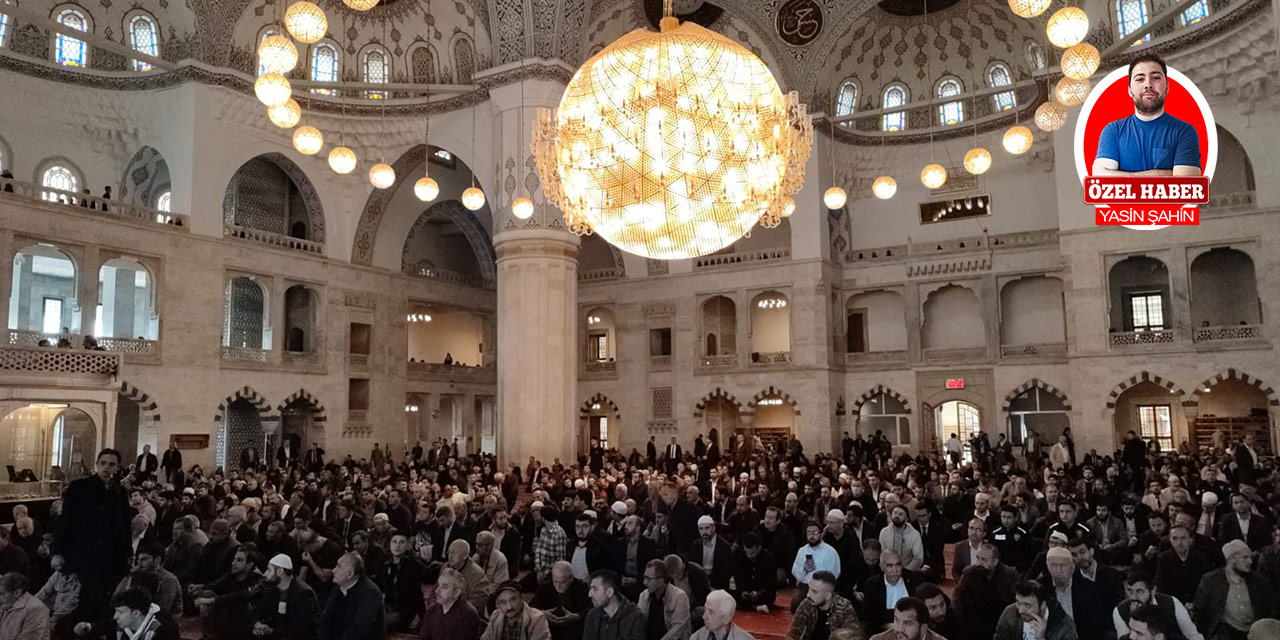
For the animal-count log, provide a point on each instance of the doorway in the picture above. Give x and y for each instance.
(961, 418)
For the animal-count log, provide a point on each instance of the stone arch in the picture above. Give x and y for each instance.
(872, 392)
(705, 401)
(1232, 374)
(269, 420)
(472, 229)
(303, 394)
(1139, 378)
(145, 178)
(150, 410)
(604, 401)
(376, 207)
(1032, 384)
(306, 190)
(771, 391)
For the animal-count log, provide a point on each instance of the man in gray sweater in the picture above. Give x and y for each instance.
(613, 616)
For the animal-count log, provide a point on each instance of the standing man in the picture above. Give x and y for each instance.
(651, 451)
(94, 536)
(314, 460)
(673, 456)
(172, 464)
(147, 463)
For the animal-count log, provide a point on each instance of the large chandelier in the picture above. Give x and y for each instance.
(1079, 62)
(1067, 27)
(672, 145)
(306, 22)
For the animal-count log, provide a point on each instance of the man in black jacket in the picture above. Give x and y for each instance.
(172, 464)
(135, 617)
(400, 579)
(94, 534)
(884, 590)
(1090, 610)
(565, 601)
(147, 463)
(288, 607)
(354, 610)
(755, 575)
(713, 553)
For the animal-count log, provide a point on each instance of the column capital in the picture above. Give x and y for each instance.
(527, 243)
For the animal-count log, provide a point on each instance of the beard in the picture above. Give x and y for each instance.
(1148, 105)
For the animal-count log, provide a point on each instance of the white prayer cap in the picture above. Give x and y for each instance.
(837, 514)
(706, 520)
(282, 561)
(619, 508)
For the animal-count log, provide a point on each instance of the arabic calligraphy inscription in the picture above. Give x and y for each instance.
(799, 22)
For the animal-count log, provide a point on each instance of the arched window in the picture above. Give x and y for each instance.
(424, 65)
(998, 76)
(951, 112)
(1194, 13)
(895, 96)
(72, 52)
(464, 60)
(4, 24)
(144, 39)
(1131, 15)
(846, 98)
(1035, 56)
(164, 203)
(324, 66)
(374, 70)
(62, 178)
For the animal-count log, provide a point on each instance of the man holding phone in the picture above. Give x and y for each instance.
(813, 557)
(1034, 615)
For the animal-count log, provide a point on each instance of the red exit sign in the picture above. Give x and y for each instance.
(955, 383)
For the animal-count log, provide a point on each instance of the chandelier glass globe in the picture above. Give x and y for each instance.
(285, 116)
(977, 161)
(382, 176)
(884, 187)
(522, 208)
(1029, 8)
(933, 176)
(426, 189)
(306, 22)
(272, 89)
(834, 198)
(788, 206)
(473, 199)
(361, 5)
(308, 140)
(672, 144)
(1017, 140)
(1079, 62)
(342, 160)
(1067, 27)
(277, 54)
(1050, 116)
(1071, 92)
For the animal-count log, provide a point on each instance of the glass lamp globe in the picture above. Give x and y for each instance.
(361, 5)
(277, 54)
(1050, 116)
(834, 198)
(1071, 92)
(382, 175)
(1029, 8)
(1068, 27)
(884, 187)
(426, 189)
(788, 206)
(1017, 140)
(522, 208)
(306, 22)
(308, 140)
(1079, 62)
(977, 161)
(272, 89)
(473, 199)
(285, 116)
(342, 160)
(933, 176)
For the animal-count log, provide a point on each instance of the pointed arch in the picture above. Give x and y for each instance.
(873, 392)
(771, 392)
(268, 420)
(147, 406)
(303, 394)
(1033, 384)
(1139, 378)
(306, 191)
(706, 400)
(472, 229)
(602, 400)
(1232, 374)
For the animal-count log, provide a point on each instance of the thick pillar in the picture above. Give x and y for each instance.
(537, 374)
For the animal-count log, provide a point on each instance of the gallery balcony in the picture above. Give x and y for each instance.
(439, 372)
(134, 350)
(33, 194)
(51, 362)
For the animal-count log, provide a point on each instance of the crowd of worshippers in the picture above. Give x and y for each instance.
(665, 544)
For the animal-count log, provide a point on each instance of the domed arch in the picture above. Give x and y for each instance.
(1137, 379)
(771, 392)
(1232, 374)
(602, 401)
(718, 394)
(243, 206)
(1035, 383)
(230, 439)
(300, 426)
(452, 211)
(133, 431)
(875, 391)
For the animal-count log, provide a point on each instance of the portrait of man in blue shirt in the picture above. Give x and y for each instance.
(1150, 142)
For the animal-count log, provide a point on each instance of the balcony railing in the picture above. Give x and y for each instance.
(245, 354)
(740, 258)
(273, 239)
(660, 363)
(1135, 338)
(300, 358)
(609, 273)
(84, 203)
(452, 372)
(708, 362)
(954, 355)
(358, 416)
(449, 276)
(596, 366)
(59, 361)
(358, 359)
(1025, 351)
(1228, 333)
(873, 357)
(773, 357)
(134, 349)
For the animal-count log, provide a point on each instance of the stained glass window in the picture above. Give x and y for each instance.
(142, 33)
(846, 98)
(895, 96)
(324, 66)
(72, 52)
(1194, 13)
(950, 112)
(1130, 16)
(999, 76)
(375, 72)
(4, 24)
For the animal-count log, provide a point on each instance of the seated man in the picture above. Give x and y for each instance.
(226, 603)
(754, 575)
(882, 592)
(135, 618)
(168, 593)
(288, 607)
(400, 579)
(451, 617)
(717, 619)
(1140, 589)
(911, 621)
(665, 606)
(564, 600)
(22, 615)
(355, 607)
(1036, 615)
(822, 612)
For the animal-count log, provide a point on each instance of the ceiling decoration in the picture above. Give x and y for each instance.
(699, 12)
